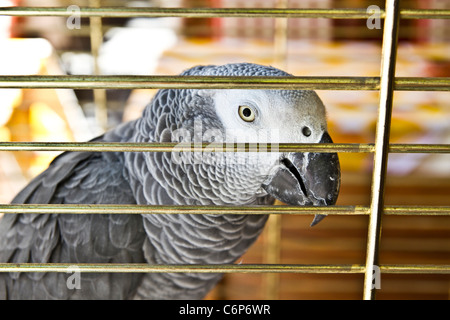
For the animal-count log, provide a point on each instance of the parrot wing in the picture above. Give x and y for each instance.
(73, 178)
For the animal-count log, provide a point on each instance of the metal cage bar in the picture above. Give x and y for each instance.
(272, 253)
(386, 84)
(219, 147)
(219, 268)
(96, 37)
(211, 82)
(221, 13)
(248, 210)
(388, 62)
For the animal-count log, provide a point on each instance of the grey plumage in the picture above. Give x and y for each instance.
(167, 179)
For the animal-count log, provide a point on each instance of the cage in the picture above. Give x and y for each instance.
(381, 68)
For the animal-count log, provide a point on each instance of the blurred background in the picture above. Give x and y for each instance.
(303, 47)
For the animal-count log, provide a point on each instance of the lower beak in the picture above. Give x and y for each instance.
(307, 179)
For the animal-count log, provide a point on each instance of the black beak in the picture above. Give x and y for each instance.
(307, 179)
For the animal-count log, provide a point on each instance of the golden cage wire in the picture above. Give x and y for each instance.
(386, 84)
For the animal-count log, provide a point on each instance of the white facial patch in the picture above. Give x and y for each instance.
(280, 116)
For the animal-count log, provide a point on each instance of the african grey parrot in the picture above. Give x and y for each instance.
(171, 178)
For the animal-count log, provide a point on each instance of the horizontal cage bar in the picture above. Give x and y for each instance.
(186, 147)
(415, 269)
(136, 268)
(219, 82)
(219, 268)
(188, 82)
(218, 147)
(248, 210)
(337, 13)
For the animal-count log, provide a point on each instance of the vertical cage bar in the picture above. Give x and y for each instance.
(272, 256)
(281, 37)
(388, 62)
(273, 233)
(96, 35)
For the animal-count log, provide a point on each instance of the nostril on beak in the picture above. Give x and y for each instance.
(295, 172)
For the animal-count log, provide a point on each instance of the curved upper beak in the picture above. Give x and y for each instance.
(306, 179)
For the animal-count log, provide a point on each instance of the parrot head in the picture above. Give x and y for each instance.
(250, 116)
(278, 116)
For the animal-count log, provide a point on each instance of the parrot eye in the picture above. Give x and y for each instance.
(306, 131)
(246, 113)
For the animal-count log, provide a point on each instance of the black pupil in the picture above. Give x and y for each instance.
(306, 131)
(247, 112)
